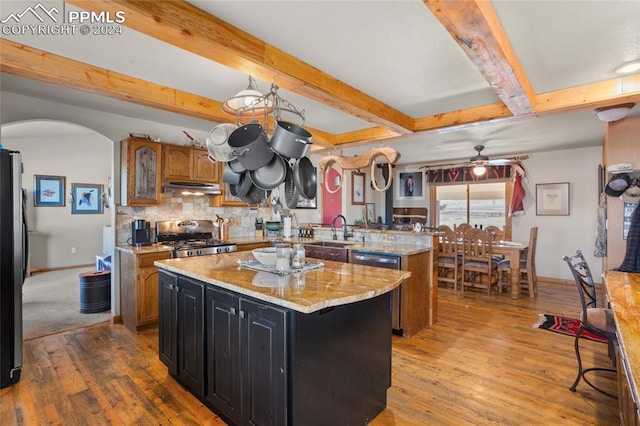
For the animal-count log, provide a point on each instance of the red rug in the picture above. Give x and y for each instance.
(568, 326)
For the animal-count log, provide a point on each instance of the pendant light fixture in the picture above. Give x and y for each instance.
(250, 105)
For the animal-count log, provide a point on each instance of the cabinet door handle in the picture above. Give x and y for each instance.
(170, 286)
(233, 311)
(242, 314)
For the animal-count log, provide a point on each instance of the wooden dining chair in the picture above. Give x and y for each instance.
(462, 228)
(445, 228)
(496, 233)
(479, 268)
(528, 277)
(449, 261)
(595, 319)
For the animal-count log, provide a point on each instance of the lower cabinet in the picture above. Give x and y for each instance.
(254, 363)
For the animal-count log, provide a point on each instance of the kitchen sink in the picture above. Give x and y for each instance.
(329, 244)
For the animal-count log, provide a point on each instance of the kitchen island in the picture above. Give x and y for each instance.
(307, 348)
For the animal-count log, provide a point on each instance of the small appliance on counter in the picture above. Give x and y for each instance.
(140, 233)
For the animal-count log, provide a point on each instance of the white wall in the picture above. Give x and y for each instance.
(563, 235)
(60, 238)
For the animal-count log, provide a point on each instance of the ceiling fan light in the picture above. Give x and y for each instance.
(613, 113)
(479, 170)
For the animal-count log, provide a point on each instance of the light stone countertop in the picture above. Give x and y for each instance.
(623, 289)
(333, 284)
(153, 248)
(372, 247)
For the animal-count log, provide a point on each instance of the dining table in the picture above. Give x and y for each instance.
(514, 251)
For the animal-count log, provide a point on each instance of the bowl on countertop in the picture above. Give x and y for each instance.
(265, 255)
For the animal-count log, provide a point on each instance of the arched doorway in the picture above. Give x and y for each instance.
(63, 239)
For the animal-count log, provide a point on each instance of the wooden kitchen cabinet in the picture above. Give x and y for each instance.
(139, 288)
(188, 164)
(141, 172)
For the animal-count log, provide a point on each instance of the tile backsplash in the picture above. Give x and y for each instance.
(179, 208)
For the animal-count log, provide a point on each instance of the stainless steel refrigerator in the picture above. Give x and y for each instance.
(13, 264)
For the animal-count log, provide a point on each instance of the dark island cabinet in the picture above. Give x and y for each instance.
(223, 353)
(264, 364)
(190, 319)
(256, 363)
(246, 359)
(168, 320)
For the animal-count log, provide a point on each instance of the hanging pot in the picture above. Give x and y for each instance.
(242, 188)
(217, 142)
(305, 179)
(251, 146)
(290, 140)
(271, 175)
(291, 194)
(236, 166)
(230, 176)
(255, 195)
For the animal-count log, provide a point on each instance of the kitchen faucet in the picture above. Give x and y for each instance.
(344, 227)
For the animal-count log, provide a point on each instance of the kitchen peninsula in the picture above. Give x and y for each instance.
(306, 348)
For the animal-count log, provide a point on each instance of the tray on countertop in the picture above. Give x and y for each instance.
(257, 266)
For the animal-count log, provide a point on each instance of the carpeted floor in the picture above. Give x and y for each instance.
(51, 303)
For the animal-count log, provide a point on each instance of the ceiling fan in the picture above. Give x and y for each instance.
(479, 162)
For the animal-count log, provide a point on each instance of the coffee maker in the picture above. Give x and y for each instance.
(140, 233)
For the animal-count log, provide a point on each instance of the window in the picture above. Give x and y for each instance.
(479, 204)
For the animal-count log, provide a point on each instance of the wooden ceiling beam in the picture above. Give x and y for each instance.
(187, 27)
(475, 26)
(590, 96)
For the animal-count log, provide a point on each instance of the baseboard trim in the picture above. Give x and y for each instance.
(60, 268)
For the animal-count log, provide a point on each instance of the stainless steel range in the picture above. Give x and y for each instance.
(191, 238)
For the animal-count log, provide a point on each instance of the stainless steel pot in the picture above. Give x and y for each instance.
(290, 140)
(304, 176)
(217, 142)
(271, 175)
(251, 146)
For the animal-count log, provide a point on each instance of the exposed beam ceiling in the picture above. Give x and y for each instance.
(473, 25)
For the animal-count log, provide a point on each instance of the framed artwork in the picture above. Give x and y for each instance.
(552, 199)
(49, 191)
(357, 188)
(410, 185)
(371, 213)
(87, 198)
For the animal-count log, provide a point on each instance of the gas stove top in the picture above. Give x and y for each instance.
(191, 238)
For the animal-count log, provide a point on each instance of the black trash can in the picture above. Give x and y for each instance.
(95, 292)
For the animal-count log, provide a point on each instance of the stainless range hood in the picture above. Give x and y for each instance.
(191, 188)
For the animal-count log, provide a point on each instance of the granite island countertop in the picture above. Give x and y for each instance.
(371, 247)
(333, 284)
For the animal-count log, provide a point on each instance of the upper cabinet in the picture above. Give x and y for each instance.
(141, 172)
(188, 164)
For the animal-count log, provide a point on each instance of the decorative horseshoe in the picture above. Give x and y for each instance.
(373, 180)
(327, 166)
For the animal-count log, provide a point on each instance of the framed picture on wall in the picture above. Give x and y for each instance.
(552, 199)
(371, 213)
(87, 198)
(409, 185)
(49, 191)
(357, 188)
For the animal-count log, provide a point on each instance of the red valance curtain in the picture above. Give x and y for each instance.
(465, 174)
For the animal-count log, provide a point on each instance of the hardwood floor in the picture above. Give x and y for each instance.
(482, 363)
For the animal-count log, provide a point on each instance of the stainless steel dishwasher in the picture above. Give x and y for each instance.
(389, 261)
